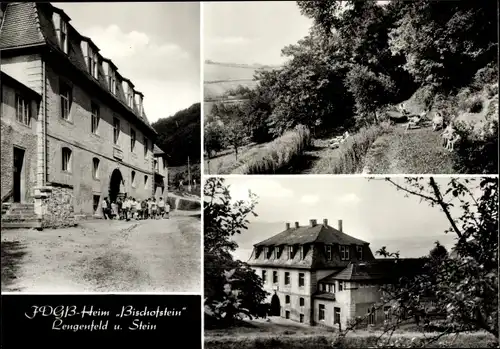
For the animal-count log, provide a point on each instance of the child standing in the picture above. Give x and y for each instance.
(161, 208)
(167, 209)
(154, 209)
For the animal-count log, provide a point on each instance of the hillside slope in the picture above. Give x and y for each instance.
(179, 135)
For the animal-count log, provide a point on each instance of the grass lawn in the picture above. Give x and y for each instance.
(280, 333)
(225, 161)
(415, 151)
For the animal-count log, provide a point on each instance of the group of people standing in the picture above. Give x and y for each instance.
(130, 208)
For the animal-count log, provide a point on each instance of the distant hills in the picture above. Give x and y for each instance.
(221, 77)
(179, 136)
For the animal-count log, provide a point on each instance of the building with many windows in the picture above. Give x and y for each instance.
(73, 128)
(318, 275)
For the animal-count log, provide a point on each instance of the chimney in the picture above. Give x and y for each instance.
(312, 222)
(297, 224)
(287, 226)
(340, 225)
(325, 222)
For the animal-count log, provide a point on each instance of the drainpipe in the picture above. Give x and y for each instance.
(44, 124)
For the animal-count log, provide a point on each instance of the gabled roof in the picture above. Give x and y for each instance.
(319, 233)
(378, 269)
(20, 26)
(157, 150)
(30, 24)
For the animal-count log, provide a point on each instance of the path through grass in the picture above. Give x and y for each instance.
(413, 152)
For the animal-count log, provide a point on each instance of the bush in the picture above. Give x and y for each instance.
(484, 76)
(471, 104)
(349, 157)
(278, 153)
(326, 341)
(477, 152)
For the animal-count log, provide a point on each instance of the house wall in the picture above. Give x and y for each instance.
(76, 134)
(293, 290)
(17, 134)
(342, 301)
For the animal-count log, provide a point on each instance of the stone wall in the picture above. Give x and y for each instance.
(58, 208)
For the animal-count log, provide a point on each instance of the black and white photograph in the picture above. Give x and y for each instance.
(351, 262)
(100, 152)
(346, 87)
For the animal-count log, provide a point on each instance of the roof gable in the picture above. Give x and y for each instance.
(20, 26)
(319, 233)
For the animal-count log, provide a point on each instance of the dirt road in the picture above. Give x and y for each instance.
(105, 256)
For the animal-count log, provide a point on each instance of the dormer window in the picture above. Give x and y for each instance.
(290, 252)
(278, 251)
(344, 252)
(130, 100)
(359, 252)
(301, 252)
(64, 36)
(112, 82)
(93, 61)
(328, 251)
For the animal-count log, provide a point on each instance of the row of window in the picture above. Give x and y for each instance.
(344, 251)
(330, 287)
(275, 280)
(301, 300)
(66, 93)
(66, 167)
(92, 62)
(287, 316)
(322, 314)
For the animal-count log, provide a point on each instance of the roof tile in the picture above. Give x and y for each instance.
(20, 26)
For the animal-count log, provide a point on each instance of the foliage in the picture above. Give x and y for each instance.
(179, 135)
(477, 152)
(464, 286)
(278, 153)
(440, 38)
(232, 116)
(214, 137)
(222, 274)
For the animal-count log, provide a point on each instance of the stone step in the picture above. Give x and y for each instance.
(20, 225)
(23, 219)
(20, 211)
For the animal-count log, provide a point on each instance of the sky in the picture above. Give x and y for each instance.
(371, 210)
(155, 45)
(251, 32)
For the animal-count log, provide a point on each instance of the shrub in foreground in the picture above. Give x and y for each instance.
(477, 152)
(278, 153)
(350, 155)
(366, 341)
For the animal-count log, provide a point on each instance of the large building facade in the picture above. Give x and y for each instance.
(318, 275)
(73, 128)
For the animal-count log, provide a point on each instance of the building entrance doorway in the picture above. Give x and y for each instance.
(115, 185)
(275, 306)
(18, 180)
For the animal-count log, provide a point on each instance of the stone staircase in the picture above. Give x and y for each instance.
(17, 215)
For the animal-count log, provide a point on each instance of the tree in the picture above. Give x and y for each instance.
(222, 220)
(214, 138)
(439, 38)
(179, 135)
(232, 117)
(465, 286)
